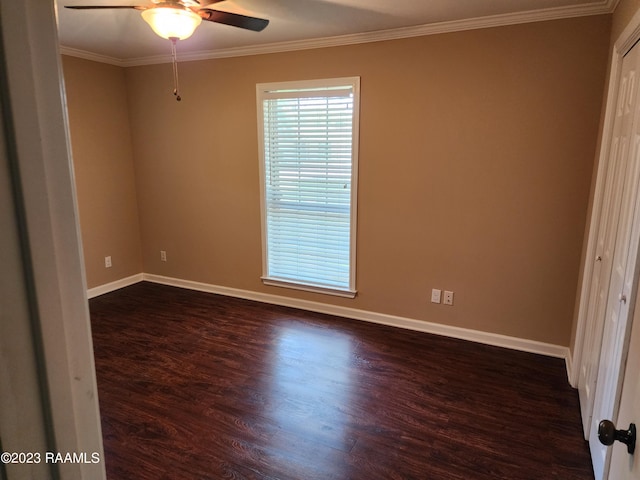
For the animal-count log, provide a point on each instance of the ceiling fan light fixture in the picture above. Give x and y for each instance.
(172, 22)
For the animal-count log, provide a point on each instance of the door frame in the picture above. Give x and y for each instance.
(45, 192)
(627, 39)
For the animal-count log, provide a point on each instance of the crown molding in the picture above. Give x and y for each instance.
(556, 13)
(74, 52)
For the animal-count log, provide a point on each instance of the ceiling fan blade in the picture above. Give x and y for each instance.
(98, 7)
(234, 19)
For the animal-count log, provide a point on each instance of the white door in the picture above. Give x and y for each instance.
(622, 286)
(607, 233)
(623, 465)
(606, 238)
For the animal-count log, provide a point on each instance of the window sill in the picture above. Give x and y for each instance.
(274, 282)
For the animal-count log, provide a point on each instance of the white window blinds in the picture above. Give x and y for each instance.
(308, 147)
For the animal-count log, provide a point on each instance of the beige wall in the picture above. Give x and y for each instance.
(103, 163)
(476, 156)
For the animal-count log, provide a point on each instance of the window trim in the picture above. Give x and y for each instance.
(264, 91)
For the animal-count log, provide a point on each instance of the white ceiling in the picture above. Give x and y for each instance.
(122, 37)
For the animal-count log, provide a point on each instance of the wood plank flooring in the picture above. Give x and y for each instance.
(195, 386)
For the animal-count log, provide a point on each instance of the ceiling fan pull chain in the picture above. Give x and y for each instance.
(175, 68)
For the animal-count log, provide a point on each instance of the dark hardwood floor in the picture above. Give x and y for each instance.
(197, 386)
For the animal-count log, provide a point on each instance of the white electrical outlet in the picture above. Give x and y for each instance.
(435, 295)
(448, 297)
(163, 255)
(107, 262)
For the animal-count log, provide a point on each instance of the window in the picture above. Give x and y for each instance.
(308, 135)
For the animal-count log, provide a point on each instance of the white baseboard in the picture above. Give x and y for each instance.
(110, 287)
(478, 336)
(486, 338)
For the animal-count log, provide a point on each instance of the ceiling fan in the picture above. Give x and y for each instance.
(177, 19)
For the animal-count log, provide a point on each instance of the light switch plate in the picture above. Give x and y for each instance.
(435, 295)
